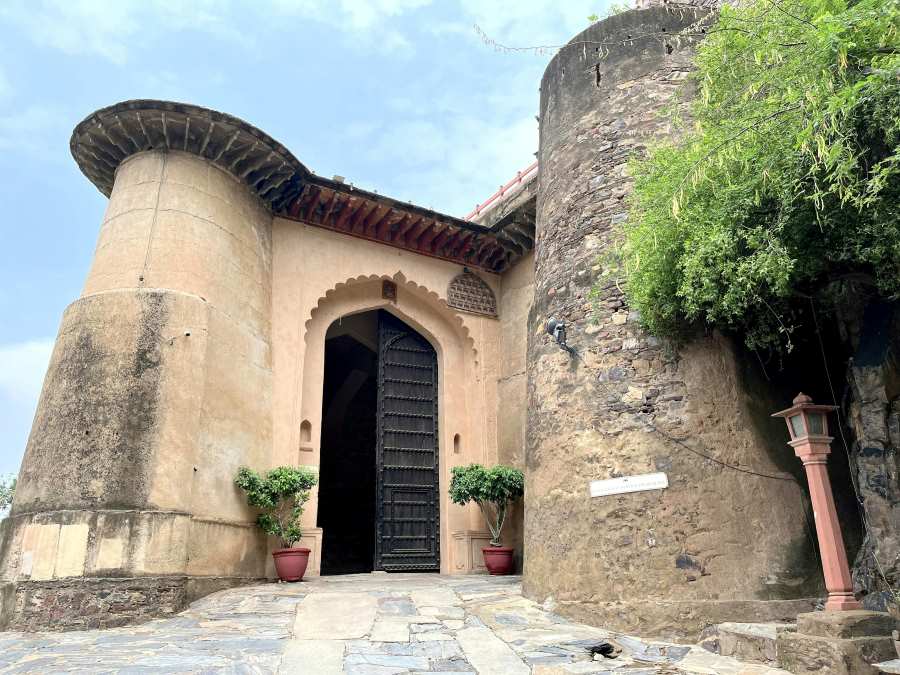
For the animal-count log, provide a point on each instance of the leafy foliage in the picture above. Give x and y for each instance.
(280, 495)
(497, 486)
(7, 490)
(787, 179)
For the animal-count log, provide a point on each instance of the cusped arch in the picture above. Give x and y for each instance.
(417, 291)
(460, 394)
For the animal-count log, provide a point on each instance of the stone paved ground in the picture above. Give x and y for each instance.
(375, 624)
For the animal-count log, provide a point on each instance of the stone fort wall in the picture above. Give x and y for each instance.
(718, 544)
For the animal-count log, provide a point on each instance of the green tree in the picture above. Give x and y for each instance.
(280, 495)
(493, 489)
(7, 490)
(785, 179)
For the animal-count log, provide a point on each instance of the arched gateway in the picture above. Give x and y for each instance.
(380, 444)
(199, 345)
(338, 377)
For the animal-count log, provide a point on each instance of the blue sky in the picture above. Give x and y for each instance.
(401, 96)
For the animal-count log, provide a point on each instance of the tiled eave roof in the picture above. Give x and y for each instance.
(107, 137)
(346, 209)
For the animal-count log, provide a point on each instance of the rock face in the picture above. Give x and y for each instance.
(722, 542)
(875, 419)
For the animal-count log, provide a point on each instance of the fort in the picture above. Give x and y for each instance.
(232, 316)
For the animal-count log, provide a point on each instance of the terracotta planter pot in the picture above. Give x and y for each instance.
(498, 559)
(290, 563)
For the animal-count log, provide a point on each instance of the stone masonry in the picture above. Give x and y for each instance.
(363, 625)
(720, 543)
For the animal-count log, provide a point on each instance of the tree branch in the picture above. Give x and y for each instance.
(732, 138)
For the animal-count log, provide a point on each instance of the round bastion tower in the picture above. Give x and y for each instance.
(159, 386)
(718, 544)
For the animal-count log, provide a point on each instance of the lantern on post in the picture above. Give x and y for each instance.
(808, 426)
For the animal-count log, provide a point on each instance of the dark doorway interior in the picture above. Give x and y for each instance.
(347, 470)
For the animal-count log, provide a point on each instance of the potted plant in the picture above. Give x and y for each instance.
(280, 495)
(493, 489)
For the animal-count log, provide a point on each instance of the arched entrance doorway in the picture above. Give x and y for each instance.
(379, 468)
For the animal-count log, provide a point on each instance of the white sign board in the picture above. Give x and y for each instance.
(617, 486)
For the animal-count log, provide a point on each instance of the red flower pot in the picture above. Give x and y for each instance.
(498, 559)
(290, 563)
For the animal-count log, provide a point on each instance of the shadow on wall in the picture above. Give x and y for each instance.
(347, 469)
(771, 383)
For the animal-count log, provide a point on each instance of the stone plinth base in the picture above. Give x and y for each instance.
(85, 603)
(748, 642)
(680, 621)
(467, 557)
(837, 643)
(312, 539)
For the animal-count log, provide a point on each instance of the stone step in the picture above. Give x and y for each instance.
(892, 666)
(698, 662)
(747, 642)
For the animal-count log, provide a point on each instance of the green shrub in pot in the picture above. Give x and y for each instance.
(494, 489)
(280, 495)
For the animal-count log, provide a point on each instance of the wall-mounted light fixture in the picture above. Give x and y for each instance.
(557, 329)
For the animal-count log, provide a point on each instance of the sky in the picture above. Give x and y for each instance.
(399, 96)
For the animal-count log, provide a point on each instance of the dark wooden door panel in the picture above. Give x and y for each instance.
(407, 536)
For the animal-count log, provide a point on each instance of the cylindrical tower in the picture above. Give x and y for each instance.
(159, 386)
(719, 543)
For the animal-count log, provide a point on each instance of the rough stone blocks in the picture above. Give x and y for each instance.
(837, 643)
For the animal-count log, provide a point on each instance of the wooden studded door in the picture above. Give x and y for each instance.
(407, 508)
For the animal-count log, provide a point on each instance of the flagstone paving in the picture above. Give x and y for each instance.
(372, 624)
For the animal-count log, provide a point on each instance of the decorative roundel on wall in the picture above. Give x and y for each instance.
(470, 293)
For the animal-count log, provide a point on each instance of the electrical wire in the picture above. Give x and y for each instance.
(639, 416)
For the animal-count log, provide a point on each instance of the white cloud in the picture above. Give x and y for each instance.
(453, 137)
(451, 143)
(451, 163)
(532, 23)
(357, 15)
(111, 29)
(22, 369)
(6, 89)
(37, 130)
(76, 27)
(371, 23)
(365, 14)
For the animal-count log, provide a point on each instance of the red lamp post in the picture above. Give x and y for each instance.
(808, 426)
